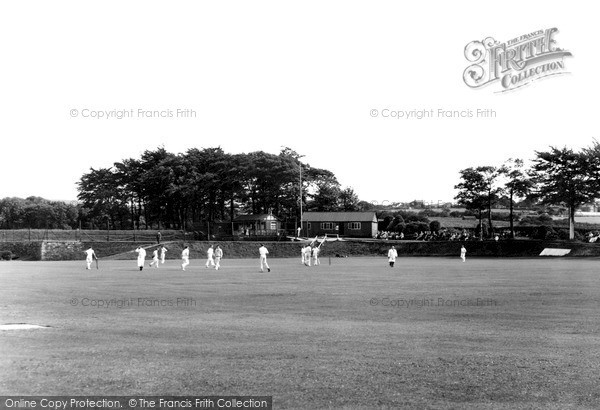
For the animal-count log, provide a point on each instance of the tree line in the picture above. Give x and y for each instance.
(184, 191)
(559, 176)
(163, 190)
(38, 213)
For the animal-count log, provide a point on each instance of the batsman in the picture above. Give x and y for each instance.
(89, 258)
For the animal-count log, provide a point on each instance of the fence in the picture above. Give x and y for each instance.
(34, 235)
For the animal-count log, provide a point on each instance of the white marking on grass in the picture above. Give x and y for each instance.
(21, 326)
(554, 252)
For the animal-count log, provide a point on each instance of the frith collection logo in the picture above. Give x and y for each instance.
(516, 62)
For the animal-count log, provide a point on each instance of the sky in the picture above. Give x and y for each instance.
(323, 78)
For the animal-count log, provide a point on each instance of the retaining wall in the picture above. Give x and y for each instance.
(74, 250)
(28, 251)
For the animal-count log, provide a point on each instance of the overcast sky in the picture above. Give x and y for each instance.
(267, 74)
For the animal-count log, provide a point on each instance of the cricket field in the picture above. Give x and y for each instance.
(351, 333)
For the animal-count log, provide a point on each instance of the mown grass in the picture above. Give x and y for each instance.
(315, 337)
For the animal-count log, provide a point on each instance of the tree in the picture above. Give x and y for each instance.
(99, 191)
(490, 174)
(473, 193)
(517, 184)
(364, 206)
(348, 200)
(565, 177)
(327, 194)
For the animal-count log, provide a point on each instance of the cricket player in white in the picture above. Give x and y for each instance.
(163, 252)
(185, 258)
(392, 255)
(218, 256)
(315, 255)
(463, 253)
(263, 258)
(209, 256)
(307, 251)
(90, 255)
(141, 259)
(154, 258)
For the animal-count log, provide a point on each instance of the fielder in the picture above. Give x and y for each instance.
(218, 256)
(307, 251)
(263, 251)
(141, 259)
(163, 251)
(90, 256)
(209, 256)
(392, 255)
(315, 255)
(185, 258)
(463, 253)
(154, 258)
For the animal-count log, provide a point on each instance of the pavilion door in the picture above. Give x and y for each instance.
(340, 230)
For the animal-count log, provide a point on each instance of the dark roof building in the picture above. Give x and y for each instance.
(352, 224)
(259, 225)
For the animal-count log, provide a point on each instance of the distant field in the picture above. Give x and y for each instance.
(587, 219)
(448, 222)
(431, 332)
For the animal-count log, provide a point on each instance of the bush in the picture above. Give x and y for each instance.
(533, 220)
(385, 224)
(434, 226)
(545, 232)
(423, 226)
(427, 212)
(412, 228)
(6, 255)
(398, 217)
(394, 223)
(563, 234)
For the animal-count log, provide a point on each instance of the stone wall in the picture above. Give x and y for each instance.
(74, 250)
(62, 251)
(26, 251)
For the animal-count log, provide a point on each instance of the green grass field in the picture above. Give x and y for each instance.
(344, 335)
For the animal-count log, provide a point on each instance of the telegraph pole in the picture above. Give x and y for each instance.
(300, 196)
